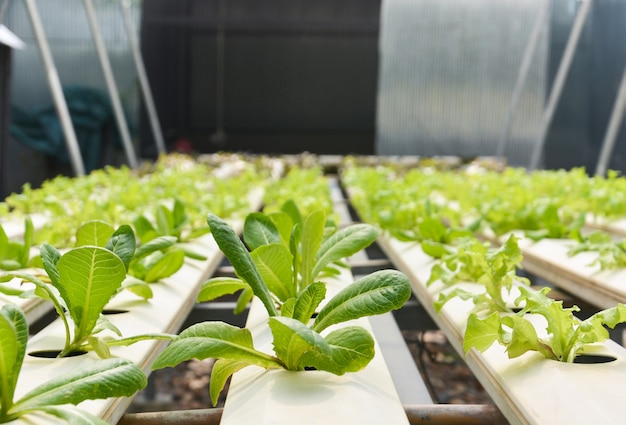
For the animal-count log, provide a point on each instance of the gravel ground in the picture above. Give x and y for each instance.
(444, 371)
(186, 386)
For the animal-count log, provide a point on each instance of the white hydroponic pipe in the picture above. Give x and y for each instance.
(542, 21)
(153, 117)
(57, 92)
(110, 81)
(559, 81)
(617, 115)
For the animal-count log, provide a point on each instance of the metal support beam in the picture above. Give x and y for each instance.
(57, 92)
(615, 122)
(3, 10)
(559, 81)
(542, 22)
(153, 117)
(112, 87)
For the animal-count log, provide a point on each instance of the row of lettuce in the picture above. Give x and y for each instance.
(110, 231)
(452, 214)
(121, 230)
(117, 230)
(541, 204)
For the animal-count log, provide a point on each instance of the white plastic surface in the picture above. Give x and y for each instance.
(173, 299)
(529, 389)
(277, 397)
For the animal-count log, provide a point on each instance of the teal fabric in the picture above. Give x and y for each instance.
(91, 114)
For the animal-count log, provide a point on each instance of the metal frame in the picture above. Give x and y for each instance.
(57, 92)
(112, 87)
(559, 81)
(542, 23)
(617, 116)
(153, 117)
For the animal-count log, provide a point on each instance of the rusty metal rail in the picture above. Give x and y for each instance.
(433, 414)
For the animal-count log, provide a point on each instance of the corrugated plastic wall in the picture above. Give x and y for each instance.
(446, 77)
(69, 36)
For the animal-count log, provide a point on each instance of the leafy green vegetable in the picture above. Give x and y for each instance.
(14, 254)
(611, 254)
(281, 268)
(120, 195)
(495, 269)
(377, 293)
(274, 263)
(270, 272)
(342, 244)
(85, 278)
(428, 205)
(220, 286)
(543, 204)
(171, 223)
(312, 235)
(88, 278)
(566, 337)
(102, 379)
(240, 258)
(287, 194)
(259, 230)
(156, 260)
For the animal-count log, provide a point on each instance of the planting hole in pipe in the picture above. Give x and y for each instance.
(594, 359)
(113, 311)
(53, 354)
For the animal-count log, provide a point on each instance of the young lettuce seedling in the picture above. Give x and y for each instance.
(289, 252)
(567, 336)
(13, 254)
(83, 280)
(492, 268)
(148, 263)
(103, 379)
(282, 271)
(611, 254)
(169, 222)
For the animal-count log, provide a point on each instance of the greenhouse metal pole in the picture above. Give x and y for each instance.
(3, 10)
(153, 117)
(110, 81)
(541, 23)
(57, 92)
(615, 122)
(559, 81)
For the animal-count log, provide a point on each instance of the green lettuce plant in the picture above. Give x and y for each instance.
(14, 254)
(566, 338)
(102, 379)
(611, 253)
(169, 222)
(155, 259)
(118, 195)
(81, 282)
(282, 269)
(494, 269)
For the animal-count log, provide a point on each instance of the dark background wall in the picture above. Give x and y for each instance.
(5, 73)
(296, 75)
(583, 113)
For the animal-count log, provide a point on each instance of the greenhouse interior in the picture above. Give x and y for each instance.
(313, 212)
